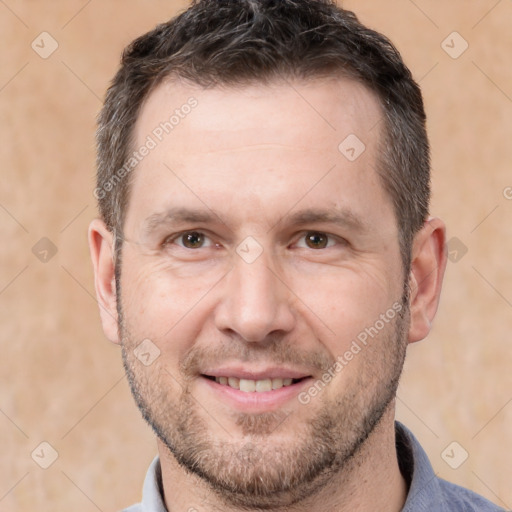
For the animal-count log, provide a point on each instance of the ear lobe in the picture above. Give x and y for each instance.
(428, 264)
(102, 254)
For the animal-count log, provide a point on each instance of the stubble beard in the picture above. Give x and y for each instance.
(259, 472)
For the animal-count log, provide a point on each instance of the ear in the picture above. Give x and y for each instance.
(102, 253)
(428, 264)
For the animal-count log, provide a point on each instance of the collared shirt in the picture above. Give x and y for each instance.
(427, 492)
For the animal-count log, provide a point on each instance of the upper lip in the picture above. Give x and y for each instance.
(253, 374)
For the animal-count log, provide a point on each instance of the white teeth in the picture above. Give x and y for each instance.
(251, 386)
(234, 382)
(247, 385)
(277, 383)
(263, 385)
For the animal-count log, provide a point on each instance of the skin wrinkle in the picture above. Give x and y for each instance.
(343, 217)
(192, 427)
(254, 146)
(205, 437)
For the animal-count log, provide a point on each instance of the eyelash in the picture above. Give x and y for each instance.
(172, 239)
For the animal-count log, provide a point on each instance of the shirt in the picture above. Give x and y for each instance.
(427, 492)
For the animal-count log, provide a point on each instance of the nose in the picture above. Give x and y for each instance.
(255, 302)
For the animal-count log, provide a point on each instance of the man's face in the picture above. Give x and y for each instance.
(258, 253)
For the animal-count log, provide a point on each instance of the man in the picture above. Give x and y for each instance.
(264, 256)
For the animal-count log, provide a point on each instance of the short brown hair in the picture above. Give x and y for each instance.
(236, 42)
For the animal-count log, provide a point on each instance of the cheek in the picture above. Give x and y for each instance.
(160, 302)
(346, 302)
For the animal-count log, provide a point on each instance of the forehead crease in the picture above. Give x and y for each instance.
(247, 147)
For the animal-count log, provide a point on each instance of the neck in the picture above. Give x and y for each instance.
(372, 478)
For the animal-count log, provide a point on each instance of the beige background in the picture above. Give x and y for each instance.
(62, 382)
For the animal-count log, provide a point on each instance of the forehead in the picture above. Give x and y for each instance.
(319, 112)
(272, 143)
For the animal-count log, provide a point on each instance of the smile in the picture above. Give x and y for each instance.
(264, 392)
(255, 386)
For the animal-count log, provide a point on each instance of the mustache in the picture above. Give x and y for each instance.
(198, 358)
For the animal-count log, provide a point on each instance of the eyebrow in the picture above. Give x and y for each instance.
(343, 217)
(178, 215)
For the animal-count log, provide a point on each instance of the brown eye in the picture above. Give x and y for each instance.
(316, 240)
(192, 240)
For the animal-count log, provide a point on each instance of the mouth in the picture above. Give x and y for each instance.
(255, 386)
(255, 389)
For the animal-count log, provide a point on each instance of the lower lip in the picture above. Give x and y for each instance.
(257, 401)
